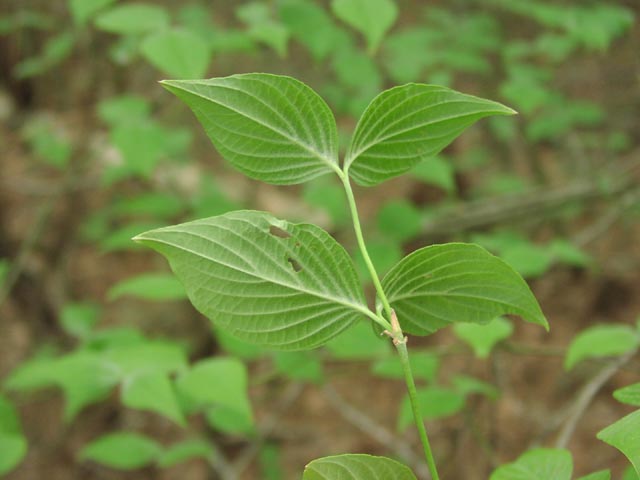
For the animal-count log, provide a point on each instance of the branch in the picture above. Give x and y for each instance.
(586, 395)
(542, 202)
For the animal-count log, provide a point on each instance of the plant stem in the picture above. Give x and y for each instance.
(363, 247)
(393, 330)
(401, 347)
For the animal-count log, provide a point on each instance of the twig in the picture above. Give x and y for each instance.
(379, 433)
(493, 211)
(586, 396)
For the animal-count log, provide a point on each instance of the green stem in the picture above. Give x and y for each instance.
(393, 328)
(401, 346)
(363, 247)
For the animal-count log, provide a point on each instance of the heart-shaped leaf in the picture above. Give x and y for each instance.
(457, 282)
(267, 281)
(356, 467)
(272, 128)
(405, 125)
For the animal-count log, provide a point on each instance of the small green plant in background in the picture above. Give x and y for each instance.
(292, 286)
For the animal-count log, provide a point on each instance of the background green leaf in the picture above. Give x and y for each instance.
(178, 53)
(186, 450)
(482, 338)
(13, 444)
(601, 475)
(356, 467)
(82, 10)
(538, 464)
(443, 284)
(268, 281)
(624, 435)
(272, 128)
(133, 18)
(372, 18)
(123, 450)
(601, 341)
(433, 402)
(149, 286)
(152, 391)
(629, 395)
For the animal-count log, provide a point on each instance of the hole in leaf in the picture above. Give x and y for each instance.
(294, 264)
(278, 232)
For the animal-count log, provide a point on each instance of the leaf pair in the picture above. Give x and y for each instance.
(278, 130)
(292, 286)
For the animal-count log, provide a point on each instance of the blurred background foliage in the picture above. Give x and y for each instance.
(94, 152)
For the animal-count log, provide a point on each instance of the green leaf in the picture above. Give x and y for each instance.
(310, 24)
(629, 395)
(233, 421)
(178, 53)
(601, 475)
(405, 125)
(399, 220)
(328, 196)
(601, 341)
(84, 377)
(482, 338)
(236, 347)
(13, 444)
(78, 319)
(133, 19)
(124, 109)
(272, 128)
(186, 450)
(359, 342)
(123, 451)
(149, 286)
(262, 27)
(152, 391)
(384, 255)
(147, 356)
(217, 381)
(356, 467)
(630, 474)
(304, 366)
(267, 281)
(623, 435)
(372, 18)
(528, 259)
(436, 171)
(469, 385)
(443, 284)
(83, 10)
(433, 402)
(537, 464)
